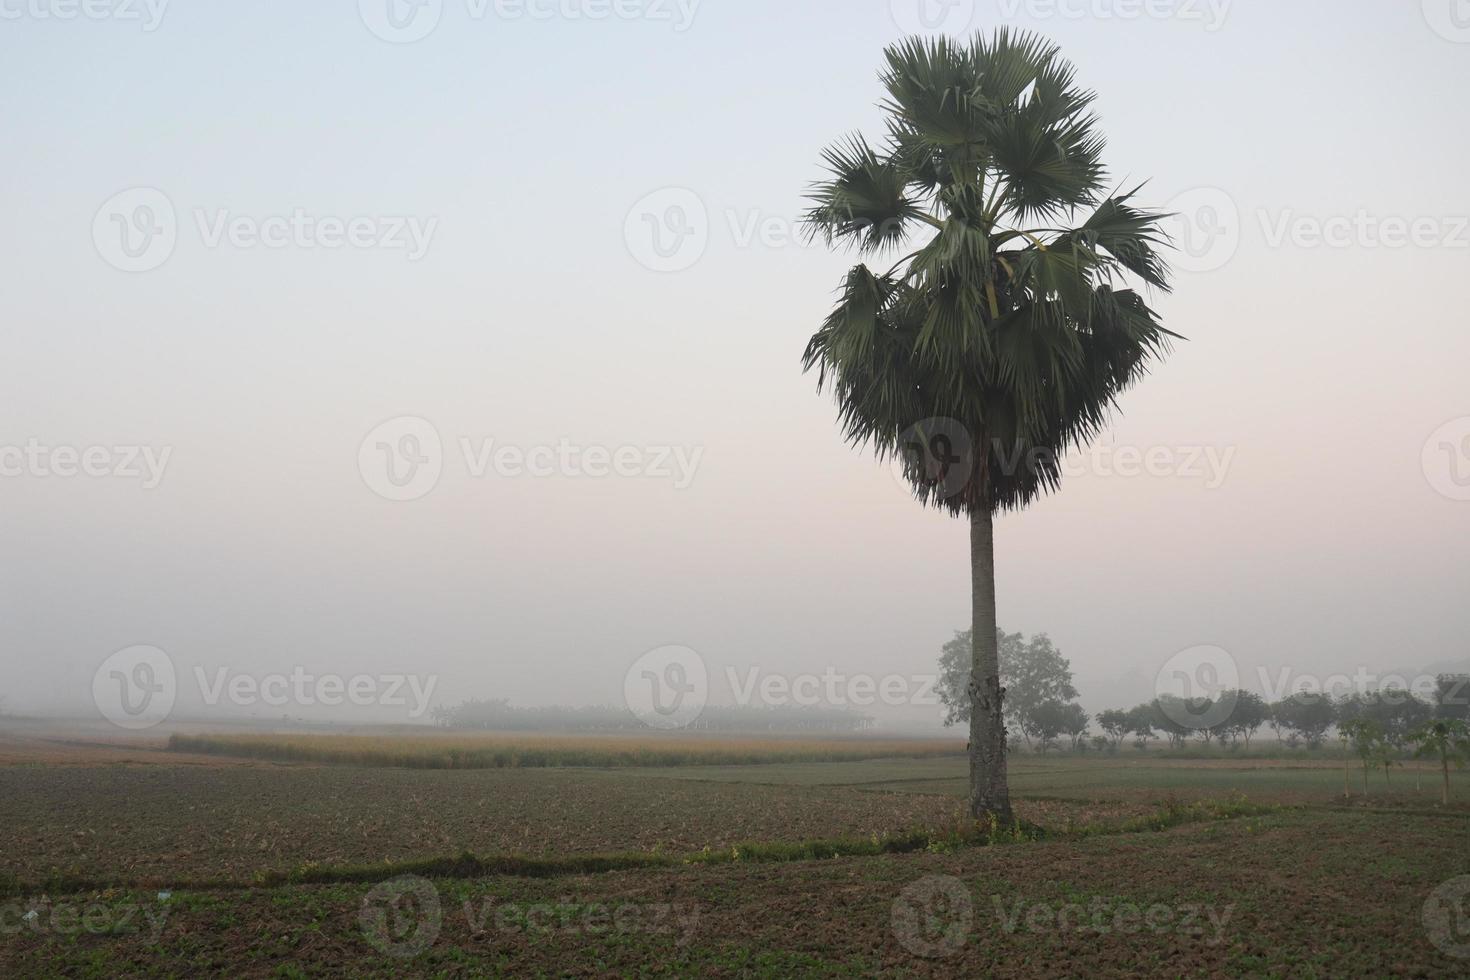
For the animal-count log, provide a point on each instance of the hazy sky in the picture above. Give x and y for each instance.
(498, 286)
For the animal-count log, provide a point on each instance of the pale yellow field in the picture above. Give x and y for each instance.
(497, 750)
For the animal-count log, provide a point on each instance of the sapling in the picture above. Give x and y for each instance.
(1447, 738)
(1367, 740)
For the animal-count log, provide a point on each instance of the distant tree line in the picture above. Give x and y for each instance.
(1041, 707)
(498, 714)
(1301, 719)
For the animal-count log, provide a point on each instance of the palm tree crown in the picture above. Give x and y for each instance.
(1012, 320)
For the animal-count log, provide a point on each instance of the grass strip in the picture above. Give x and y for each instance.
(468, 865)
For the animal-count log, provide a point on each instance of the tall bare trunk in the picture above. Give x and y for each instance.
(1444, 765)
(989, 794)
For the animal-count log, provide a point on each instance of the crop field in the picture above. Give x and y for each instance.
(520, 751)
(146, 860)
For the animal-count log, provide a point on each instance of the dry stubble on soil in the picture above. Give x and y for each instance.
(1316, 893)
(172, 823)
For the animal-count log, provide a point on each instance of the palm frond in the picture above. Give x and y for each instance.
(866, 201)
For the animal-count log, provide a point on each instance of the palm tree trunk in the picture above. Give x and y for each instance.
(989, 794)
(1444, 765)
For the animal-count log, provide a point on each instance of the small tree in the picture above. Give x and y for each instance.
(1396, 711)
(1032, 672)
(1277, 715)
(1366, 739)
(1246, 718)
(1204, 708)
(1141, 725)
(1307, 716)
(1449, 740)
(1075, 721)
(1116, 724)
(1167, 710)
(1049, 721)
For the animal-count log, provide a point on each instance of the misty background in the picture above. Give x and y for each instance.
(1327, 545)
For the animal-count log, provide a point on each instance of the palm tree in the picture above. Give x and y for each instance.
(1448, 738)
(1003, 339)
